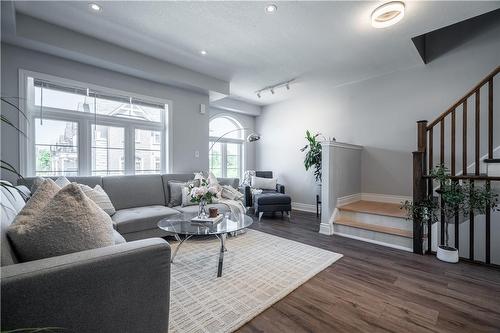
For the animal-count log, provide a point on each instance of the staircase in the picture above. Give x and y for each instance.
(463, 139)
(375, 222)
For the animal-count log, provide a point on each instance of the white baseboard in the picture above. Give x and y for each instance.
(304, 207)
(348, 199)
(389, 198)
(373, 241)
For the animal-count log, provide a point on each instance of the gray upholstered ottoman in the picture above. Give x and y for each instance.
(272, 202)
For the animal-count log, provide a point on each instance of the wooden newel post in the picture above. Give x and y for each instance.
(419, 182)
(419, 191)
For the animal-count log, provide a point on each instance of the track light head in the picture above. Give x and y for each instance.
(288, 86)
(272, 91)
(258, 94)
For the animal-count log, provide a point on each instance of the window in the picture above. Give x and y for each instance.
(56, 147)
(225, 157)
(147, 151)
(81, 130)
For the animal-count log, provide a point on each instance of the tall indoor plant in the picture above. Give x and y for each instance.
(457, 198)
(7, 103)
(313, 154)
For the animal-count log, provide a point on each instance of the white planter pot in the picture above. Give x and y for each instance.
(448, 254)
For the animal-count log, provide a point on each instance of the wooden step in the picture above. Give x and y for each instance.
(373, 227)
(377, 208)
(492, 160)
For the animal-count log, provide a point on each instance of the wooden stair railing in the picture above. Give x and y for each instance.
(423, 160)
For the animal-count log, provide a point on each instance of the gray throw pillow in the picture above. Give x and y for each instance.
(69, 222)
(176, 187)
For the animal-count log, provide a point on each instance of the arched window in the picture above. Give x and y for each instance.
(225, 157)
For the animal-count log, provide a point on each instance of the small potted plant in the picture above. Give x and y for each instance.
(202, 195)
(457, 198)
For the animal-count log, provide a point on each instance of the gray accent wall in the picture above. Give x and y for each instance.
(378, 113)
(189, 127)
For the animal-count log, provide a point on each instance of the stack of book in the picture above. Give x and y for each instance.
(208, 220)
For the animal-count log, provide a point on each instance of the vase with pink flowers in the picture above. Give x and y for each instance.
(203, 195)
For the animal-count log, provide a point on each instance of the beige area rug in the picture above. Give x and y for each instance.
(259, 270)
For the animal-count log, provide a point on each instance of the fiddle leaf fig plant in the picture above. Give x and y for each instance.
(313, 154)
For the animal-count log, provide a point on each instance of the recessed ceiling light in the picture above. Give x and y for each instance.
(203, 52)
(388, 14)
(95, 7)
(271, 8)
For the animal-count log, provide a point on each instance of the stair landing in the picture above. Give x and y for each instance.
(377, 208)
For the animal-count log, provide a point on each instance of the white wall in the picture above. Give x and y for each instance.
(247, 122)
(190, 128)
(378, 113)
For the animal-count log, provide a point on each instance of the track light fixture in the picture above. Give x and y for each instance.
(272, 89)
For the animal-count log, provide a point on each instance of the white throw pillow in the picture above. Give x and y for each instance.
(264, 183)
(62, 181)
(69, 222)
(100, 197)
(231, 193)
(186, 197)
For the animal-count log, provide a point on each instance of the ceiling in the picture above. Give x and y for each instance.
(309, 41)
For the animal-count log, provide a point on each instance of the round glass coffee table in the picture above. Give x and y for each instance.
(180, 225)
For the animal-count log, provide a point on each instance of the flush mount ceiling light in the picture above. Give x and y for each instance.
(388, 14)
(203, 52)
(95, 7)
(271, 8)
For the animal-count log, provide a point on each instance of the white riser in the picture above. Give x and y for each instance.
(386, 221)
(394, 241)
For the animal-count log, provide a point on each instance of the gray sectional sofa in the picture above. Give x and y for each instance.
(141, 201)
(120, 288)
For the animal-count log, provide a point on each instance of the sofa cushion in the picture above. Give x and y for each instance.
(69, 222)
(140, 218)
(194, 209)
(134, 191)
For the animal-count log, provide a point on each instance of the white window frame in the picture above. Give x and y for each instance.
(223, 141)
(85, 121)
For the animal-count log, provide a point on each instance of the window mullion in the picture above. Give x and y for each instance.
(224, 159)
(129, 150)
(84, 147)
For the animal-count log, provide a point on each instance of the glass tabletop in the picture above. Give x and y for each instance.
(181, 224)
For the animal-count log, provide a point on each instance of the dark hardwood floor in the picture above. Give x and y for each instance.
(378, 289)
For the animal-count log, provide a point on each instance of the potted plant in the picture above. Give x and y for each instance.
(313, 156)
(457, 198)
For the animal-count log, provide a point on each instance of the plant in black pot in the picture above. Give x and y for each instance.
(457, 201)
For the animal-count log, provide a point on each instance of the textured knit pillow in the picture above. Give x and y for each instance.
(264, 183)
(70, 222)
(186, 197)
(100, 197)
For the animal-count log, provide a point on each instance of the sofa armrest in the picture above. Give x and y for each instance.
(120, 288)
(280, 188)
(247, 199)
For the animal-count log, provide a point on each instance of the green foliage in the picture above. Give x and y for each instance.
(44, 158)
(462, 198)
(313, 154)
(4, 165)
